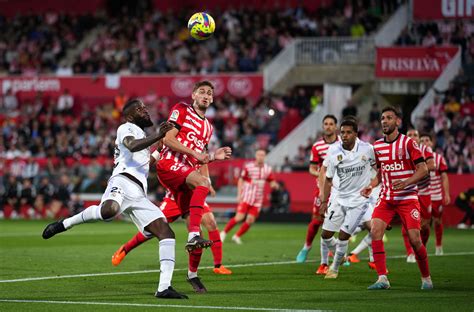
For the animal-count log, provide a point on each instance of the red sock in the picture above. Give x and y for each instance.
(408, 247)
(313, 228)
(425, 235)
(243, 229)
(379, 257)
(194, 260)
(230, 225)
(422, 260)
(195, 208)
(439, 233)
(216, 247)
(136, 241)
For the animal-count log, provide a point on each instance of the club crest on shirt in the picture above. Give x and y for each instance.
(364, 158)
(339, 157)
(415, 214)
(174, 115)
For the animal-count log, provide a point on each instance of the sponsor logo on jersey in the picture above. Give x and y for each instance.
(415, 214)
(174, 115)
(191, 136)
(393, 167)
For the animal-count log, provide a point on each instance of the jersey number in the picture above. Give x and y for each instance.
(176, 167)
(331, 214)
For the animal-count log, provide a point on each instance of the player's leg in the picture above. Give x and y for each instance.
(199, 185)
(252, 215)
(437, 214)
(334, 217)
(133, 243)
(425, 208)
(209, 222)
(107, 210)
(341, 250)
(408, 248)
(410, 215)
(312, 230)
(241, 212)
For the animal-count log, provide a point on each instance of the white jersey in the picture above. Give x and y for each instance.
(136, 164)
(353, 168)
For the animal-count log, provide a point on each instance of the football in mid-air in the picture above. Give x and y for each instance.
(201, 26)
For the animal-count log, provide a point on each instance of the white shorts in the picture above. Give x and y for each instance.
(344, 218)
(133, 202)
(370, 209)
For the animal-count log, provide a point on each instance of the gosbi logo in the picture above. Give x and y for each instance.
(396, 166)
(191, 136)
(415, 214)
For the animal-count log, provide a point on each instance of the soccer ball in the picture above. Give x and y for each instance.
(201, 26)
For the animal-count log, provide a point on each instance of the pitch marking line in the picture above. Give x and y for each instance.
(206, 267)
(155, 305)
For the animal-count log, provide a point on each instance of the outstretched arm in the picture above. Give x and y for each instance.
(135, 145)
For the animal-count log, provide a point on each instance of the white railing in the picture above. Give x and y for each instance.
(289, 145)
(392, 29)
(279, 66)
(311, 51)
(442, 83)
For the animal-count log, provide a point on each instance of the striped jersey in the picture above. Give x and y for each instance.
(319, 151)
(436, 186)
(424, 183)
(194, 132)
(397, 161)
(254, 178)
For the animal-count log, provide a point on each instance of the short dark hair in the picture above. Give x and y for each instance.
(199, 84)
(130, 104)
(392, 109)
(425, 134)
(350, 121)
(330, 116)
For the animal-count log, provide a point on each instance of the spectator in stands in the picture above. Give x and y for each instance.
(429, 40)
(65, 103)
(10, 104)
(31, 169)
(27, 195)
(405, 38)
(11, 197)
(280, 199)
(374, 114)
(350, 109)
(465, 202)
(62, 197)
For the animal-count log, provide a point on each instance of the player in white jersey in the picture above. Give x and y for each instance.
(351, 161)
(126, 192)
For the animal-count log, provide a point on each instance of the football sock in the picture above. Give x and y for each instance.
(364, 243)
(439, 233)
(326, 245)
(422, 260)
(91, 213)
(195, 208)
(379, 257)
(216, 248)
(425, 235)
(406, 241)
(194, 260)
(313, 227)
(341, 250)
(230, 225)
(167, 259)
(243, 229)
(371, 253)
(136, 241)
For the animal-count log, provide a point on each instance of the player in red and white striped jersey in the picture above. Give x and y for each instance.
(250, 194)
(424, 197)
(316, 168)
(439, 188)
(401, 165)
(185, 148)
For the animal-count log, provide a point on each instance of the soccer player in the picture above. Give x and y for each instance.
(250, 195)
(126, 192)
(401, 165)
(351, 160)
(318, 154)
(424, 197)
(439, 189)
(185, 149)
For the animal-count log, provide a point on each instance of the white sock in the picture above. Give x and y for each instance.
(382, 278)
(341, 250)
(192, 274)
(167, 259)
(326, 245)
(192, 234)
(91, 213)
(306, 247)
(362, 245)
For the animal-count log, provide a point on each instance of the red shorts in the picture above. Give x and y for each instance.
(409, 212)
(172, 212)
(245, 208)
(425, 206)
(316, 203)
(437, 208)
(172, 175)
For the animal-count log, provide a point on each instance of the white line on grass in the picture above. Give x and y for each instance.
(29, 279)
(154, 305)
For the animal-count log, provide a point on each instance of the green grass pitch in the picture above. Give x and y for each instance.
(265, 276)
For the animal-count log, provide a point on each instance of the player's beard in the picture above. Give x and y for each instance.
(390, 130)
(144, 122)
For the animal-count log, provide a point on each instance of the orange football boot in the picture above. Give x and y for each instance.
(222, 270)
(323, 269)
(118, 256)
(353, 258)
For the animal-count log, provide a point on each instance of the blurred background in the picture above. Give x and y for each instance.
(67, 69)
